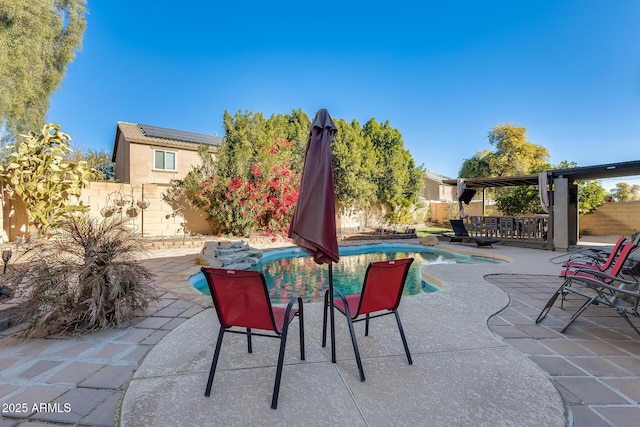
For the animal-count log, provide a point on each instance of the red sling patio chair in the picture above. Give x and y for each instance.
(598, 287)
(595, 258)
(381, 292)
(241, 300)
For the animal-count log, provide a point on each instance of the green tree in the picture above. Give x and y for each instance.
(293, 128)
(624, 192)
(397, 176)
(38, 172)
(38, 38)
(262, 157)
(591, 195)
(519, 200)
(415, 184)
(354, 167)
(100, 161)
(476, 166)
(514, 154)
(244, 136)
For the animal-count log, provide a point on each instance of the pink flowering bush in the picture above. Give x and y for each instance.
(262, 202)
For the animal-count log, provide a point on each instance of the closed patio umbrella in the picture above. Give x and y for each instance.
(313, 226)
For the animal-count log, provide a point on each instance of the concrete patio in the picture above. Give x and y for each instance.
(471, 366)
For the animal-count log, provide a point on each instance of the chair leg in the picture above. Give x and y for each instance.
(249, 346)
(355, 347)
(214, 363)
(550, 303)
(366, 325)
(582, 308)
(624, 314)
(404, 339)
(283, 345)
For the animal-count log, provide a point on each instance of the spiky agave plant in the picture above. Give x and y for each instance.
(86, 277)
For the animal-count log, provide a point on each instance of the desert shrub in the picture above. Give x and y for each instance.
(85, 277)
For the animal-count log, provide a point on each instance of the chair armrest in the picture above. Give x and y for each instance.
(292, 301)
(287, 312)
(601, 275)
(341, 295)
(596, 283)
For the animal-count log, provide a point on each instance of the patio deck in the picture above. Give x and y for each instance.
(467, 370)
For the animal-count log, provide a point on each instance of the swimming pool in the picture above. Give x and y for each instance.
(291, 272)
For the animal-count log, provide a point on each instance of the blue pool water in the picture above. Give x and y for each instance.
(291, 272)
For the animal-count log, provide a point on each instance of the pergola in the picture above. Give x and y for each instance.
(563, 193)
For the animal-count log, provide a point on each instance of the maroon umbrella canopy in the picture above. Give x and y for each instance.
(313, 226)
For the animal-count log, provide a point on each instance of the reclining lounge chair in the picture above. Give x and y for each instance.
(460, 235)
(599, 288)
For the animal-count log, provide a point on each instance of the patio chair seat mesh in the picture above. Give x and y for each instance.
(579, 274)
(242, 301)
(383, 287)
(613, 271)
(279, 313)
(353, 301)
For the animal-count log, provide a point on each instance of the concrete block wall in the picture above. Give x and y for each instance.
(622, 218)
(160, 219)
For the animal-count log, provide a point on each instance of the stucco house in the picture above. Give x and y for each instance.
(145, 154)
(436, 190)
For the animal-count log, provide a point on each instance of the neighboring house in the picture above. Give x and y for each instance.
(145, 154)
(436, 191)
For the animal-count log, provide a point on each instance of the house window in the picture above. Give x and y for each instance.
(164, 160)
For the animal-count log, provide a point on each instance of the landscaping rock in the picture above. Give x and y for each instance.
(226, 251)
(228, 244)
(238, 266)
(252, 260)
(215, 263)
(233, 255)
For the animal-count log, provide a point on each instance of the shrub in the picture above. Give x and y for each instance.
(38, 172)
(85, 277)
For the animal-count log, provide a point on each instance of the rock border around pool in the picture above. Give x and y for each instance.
(233, 255)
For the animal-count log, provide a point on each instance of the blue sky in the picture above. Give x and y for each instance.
(442, 72)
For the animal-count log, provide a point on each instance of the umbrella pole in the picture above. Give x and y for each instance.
(332, 321)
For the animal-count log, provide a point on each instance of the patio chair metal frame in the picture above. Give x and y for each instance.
(597, 291)
(598, 287)
(285, 315)
(600, 259)
(364, 307)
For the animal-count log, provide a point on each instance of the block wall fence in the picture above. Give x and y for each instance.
(165, 219)
(160, 219)
(622, 218)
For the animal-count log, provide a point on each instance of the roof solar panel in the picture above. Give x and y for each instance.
(179, 135)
